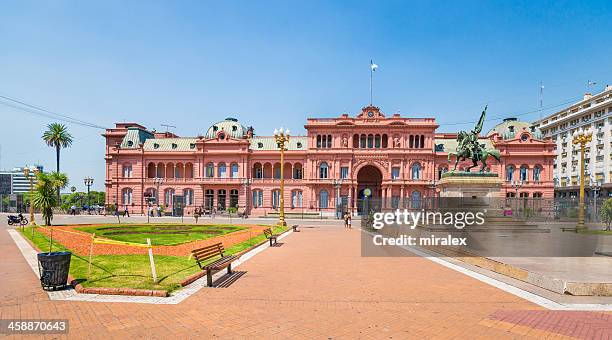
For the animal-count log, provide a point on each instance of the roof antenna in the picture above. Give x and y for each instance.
(168, 127)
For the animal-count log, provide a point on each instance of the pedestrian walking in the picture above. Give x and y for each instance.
(346, 220)
(158, 211)
(126, 211)
(349, 220)
(73, 210)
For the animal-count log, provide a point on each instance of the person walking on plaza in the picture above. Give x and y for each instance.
(126, 211)
(349, 221)
(73, 210)
(158, 211)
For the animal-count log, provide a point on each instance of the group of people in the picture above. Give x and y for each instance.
(347, 220)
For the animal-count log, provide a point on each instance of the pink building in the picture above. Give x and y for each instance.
(397, 159)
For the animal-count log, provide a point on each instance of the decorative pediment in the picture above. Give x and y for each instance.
(370, 112)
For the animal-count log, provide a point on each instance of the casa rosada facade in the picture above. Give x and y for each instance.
(398, 159)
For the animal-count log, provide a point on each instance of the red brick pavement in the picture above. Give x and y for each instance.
(315, 285)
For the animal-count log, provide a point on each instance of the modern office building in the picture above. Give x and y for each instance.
(594, 112)
(339, 159)
(15, 182)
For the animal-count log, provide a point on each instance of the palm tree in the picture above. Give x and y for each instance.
(57, 136)
(44, 197)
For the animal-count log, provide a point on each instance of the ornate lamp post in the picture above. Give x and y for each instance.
(516, 185)
(247, 183)
(581, 137)
(158, 181)
(337, 185)
(282, 138)
(88, 182)
(30, 177)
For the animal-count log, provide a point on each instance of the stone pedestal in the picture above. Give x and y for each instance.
(463, 189)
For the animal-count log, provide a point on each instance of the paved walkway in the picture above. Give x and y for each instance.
(315, 285)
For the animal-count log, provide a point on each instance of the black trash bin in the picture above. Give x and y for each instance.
(53, 268)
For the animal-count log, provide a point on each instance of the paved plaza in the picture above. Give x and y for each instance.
(314, 285)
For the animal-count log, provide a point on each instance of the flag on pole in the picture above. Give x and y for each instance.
(373, 66)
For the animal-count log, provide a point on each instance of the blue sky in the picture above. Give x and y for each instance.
(271, 64)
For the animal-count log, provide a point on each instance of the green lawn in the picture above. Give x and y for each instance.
(160, 234)
(133, 271)
(595, 232)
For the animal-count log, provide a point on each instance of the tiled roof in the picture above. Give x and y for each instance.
(505, 132)
(269, 143)
(170, 144)
(134, 137)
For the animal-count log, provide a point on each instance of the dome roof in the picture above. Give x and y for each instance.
(231, 126)
(509, 128)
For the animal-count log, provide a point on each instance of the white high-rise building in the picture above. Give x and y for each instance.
(594, 112)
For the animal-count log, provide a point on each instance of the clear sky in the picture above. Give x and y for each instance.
(272, 64)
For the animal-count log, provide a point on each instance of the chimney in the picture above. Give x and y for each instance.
(587, 96)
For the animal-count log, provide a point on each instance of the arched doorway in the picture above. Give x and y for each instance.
(369, 179)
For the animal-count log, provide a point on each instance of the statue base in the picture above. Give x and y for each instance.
(470, 189)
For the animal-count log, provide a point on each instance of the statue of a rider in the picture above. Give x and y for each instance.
(468, 142)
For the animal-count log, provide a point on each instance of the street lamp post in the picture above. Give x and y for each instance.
(247, 183)
(581, 137)
(516, 185)
(30, 177)
(595, 187)
(88, 182)
(158, 181)
(282, 138)
(337, 185)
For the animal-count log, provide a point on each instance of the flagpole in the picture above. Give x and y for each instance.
(371, 75)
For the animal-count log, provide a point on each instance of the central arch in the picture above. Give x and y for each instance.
(369, 177)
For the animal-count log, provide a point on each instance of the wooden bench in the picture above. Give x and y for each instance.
(209, 252)
(270, 236)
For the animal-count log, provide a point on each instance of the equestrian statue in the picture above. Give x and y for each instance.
(468, 147)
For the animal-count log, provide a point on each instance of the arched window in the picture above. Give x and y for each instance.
(221, 199)
(323, 199)
(150, 196)
(509, 173)
(161, 170)
(385, 141)
(168, 196)
(416, 142)
(209, 197)
(234, 171)
(189, 170)
(318, 141)
(537, 195)
(277, 170)
(411, 142)
(416, 171)
(234, 198)
(210, 170)
(275, 198)
(188, 196)
(422, 141)
(296, 199)
(416, 200)
(323, 170)
(370, 141)
(222, 170)
(151, 170)
(441, 170)
(537, 173)
(355, 141)
(297, 171)
(126, 196)
(377, 141)
(362, 141)
(258, 170)
(127, 170)
(257, 198)
(524, 173)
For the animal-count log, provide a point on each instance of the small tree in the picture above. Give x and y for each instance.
(606, 213)
(45, 197)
